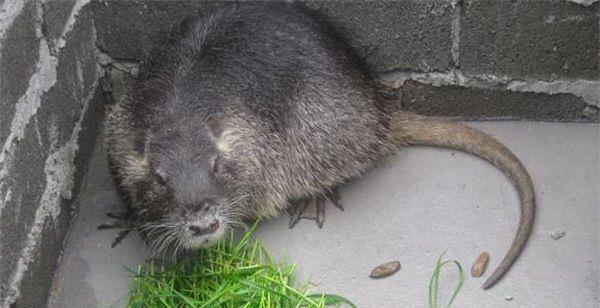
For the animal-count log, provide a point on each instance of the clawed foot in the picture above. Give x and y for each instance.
(122, 222)
(314, 208)
(334, 196)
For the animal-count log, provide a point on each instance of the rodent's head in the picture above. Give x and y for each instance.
(184, 163)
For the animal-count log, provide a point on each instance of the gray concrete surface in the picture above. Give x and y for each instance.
(422, 202)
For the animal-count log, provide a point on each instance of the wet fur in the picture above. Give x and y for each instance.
(298, 116)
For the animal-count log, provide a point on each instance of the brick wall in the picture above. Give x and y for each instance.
(471, 59)
(48, 116)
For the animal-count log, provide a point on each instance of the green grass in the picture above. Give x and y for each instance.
(242, 274)
(230, 274)
(434, 282)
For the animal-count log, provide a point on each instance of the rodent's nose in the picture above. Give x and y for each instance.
(199, 231)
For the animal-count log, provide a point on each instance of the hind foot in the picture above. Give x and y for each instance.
(334, 196)
(314, 208)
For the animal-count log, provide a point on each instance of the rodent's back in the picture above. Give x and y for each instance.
(307, 103)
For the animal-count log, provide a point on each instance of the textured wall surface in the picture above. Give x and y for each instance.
(468, 59)
(471, 59)
(48, 78)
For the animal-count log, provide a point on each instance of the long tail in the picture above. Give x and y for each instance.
(411, 129)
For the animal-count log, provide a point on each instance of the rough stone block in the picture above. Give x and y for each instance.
(25, 188)
(18, 56)
(536, 39)
(394, 35)
(389, 35)
(40, 172)
(55, 16)
(129, 29)
(481, 104)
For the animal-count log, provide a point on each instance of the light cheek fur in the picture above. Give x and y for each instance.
(136, 168)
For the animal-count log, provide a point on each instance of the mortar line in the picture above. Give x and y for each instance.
(456, 30)
(9, 11)
(588, 90)
(27, 105)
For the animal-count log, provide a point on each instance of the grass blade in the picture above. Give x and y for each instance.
(434, 282)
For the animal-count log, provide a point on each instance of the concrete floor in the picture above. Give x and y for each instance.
(421, 203)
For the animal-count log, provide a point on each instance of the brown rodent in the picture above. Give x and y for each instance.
(252, 106)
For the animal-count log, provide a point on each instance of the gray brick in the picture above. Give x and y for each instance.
(389, 35)
(55, 16)
(38, 278)
(62, 104)
(18, 57)
(46, 132)
(27, 184)
(394, 35)
(480, 104)
(524, 38)
(129, 29)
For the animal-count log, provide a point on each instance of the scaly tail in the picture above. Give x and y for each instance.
(412, 129)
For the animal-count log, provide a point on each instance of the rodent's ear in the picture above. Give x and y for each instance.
(214, 123)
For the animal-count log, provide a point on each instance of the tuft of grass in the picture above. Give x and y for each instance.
(434, 281)
(230, 274)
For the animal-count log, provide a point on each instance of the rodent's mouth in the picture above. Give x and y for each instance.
(189, 230)
(170, 241)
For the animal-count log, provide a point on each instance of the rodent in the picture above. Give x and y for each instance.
(251, 106)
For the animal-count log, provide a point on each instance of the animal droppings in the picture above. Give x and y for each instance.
(480, 264)
(385, 269)
(557, 234)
